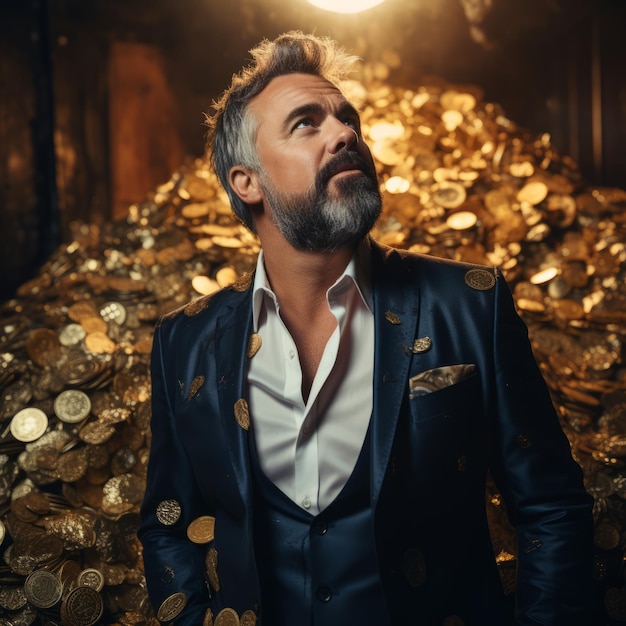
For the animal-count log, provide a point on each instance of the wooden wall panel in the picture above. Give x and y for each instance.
(145, 144)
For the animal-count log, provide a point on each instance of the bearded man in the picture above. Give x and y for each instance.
(331, 421)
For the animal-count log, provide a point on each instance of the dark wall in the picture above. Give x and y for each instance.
(554, 65)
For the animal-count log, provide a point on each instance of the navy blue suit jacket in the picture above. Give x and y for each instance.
(430, 455)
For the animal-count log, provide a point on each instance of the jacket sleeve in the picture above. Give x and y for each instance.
(540, 482)
(174, 566)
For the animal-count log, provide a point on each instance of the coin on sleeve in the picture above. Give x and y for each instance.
(202, 529)
(168, 512)
(227, 617)
(172, 606)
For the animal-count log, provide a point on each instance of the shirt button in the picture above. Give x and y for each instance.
(292, 354)
(324, 594)
(306, 502)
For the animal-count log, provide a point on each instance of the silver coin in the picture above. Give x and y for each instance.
(91, 577)
(72, 406)
(168, 512)
(29, 424)
(43, 589)
(113, 312)
(71, 334)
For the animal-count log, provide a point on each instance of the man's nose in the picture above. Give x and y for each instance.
(341, 136)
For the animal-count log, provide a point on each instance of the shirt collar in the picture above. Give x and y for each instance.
(357, 273)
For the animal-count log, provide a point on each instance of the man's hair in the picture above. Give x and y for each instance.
(232, 128)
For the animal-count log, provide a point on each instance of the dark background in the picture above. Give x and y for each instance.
(100, 100)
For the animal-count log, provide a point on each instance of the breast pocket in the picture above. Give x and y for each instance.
(445, 392)
(446, 440)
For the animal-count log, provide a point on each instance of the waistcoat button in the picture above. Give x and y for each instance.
(324, 594)
(321, 528)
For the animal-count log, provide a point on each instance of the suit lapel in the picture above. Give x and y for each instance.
(396, 311)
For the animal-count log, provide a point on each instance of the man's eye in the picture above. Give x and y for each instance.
(304, 123)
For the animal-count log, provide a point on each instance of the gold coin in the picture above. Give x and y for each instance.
(254, 345)
(544, 276)
(202, 529)
(216, 230)
(226, 276)
(211, 568)
(227, 617)
(171, 607)
(533, 192)
(72, 465)
(204, 285)
(196, 385)
(96, 432)
(208, 618)
(422, 344)
(99, 343)
(248, 618)
(94, 324)
(242, 414)
(449, 194)
(29, 424)
(462, 220)
(194, 210)
(393, 318)
(82, 310)
(227, 242)
(481, 280)
(43, 347)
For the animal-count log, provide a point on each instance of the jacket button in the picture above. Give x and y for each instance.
(324, 594)
(321, 528)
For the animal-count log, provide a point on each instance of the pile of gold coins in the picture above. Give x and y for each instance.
(459, 179)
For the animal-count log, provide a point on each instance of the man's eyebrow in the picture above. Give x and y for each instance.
(311, 108)
(314, 108)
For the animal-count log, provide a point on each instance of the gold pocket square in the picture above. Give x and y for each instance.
(438, 378)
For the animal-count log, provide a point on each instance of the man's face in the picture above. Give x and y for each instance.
(318, 179)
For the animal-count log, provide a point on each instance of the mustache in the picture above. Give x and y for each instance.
(343, 159)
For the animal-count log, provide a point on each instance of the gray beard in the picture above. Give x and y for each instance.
(314, 222)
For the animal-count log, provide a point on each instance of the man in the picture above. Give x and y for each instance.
(322, 431)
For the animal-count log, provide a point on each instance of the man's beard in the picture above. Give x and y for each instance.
(315, 222)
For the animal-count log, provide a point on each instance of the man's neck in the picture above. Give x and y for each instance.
(301, 279)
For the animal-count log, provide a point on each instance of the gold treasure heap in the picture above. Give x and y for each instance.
(459, 179)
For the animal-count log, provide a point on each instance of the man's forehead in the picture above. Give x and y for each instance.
(289, 90)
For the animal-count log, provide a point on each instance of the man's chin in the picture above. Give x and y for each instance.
(350, 182)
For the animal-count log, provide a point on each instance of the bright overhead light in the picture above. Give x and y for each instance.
(345, 6)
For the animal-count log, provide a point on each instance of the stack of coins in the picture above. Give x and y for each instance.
(459, 179)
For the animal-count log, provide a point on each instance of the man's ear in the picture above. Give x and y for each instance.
(245, 183)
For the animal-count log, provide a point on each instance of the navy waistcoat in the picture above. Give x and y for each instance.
(317, 570)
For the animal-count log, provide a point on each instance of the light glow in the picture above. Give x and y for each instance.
(345, 6)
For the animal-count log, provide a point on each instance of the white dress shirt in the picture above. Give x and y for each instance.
(308, 450)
